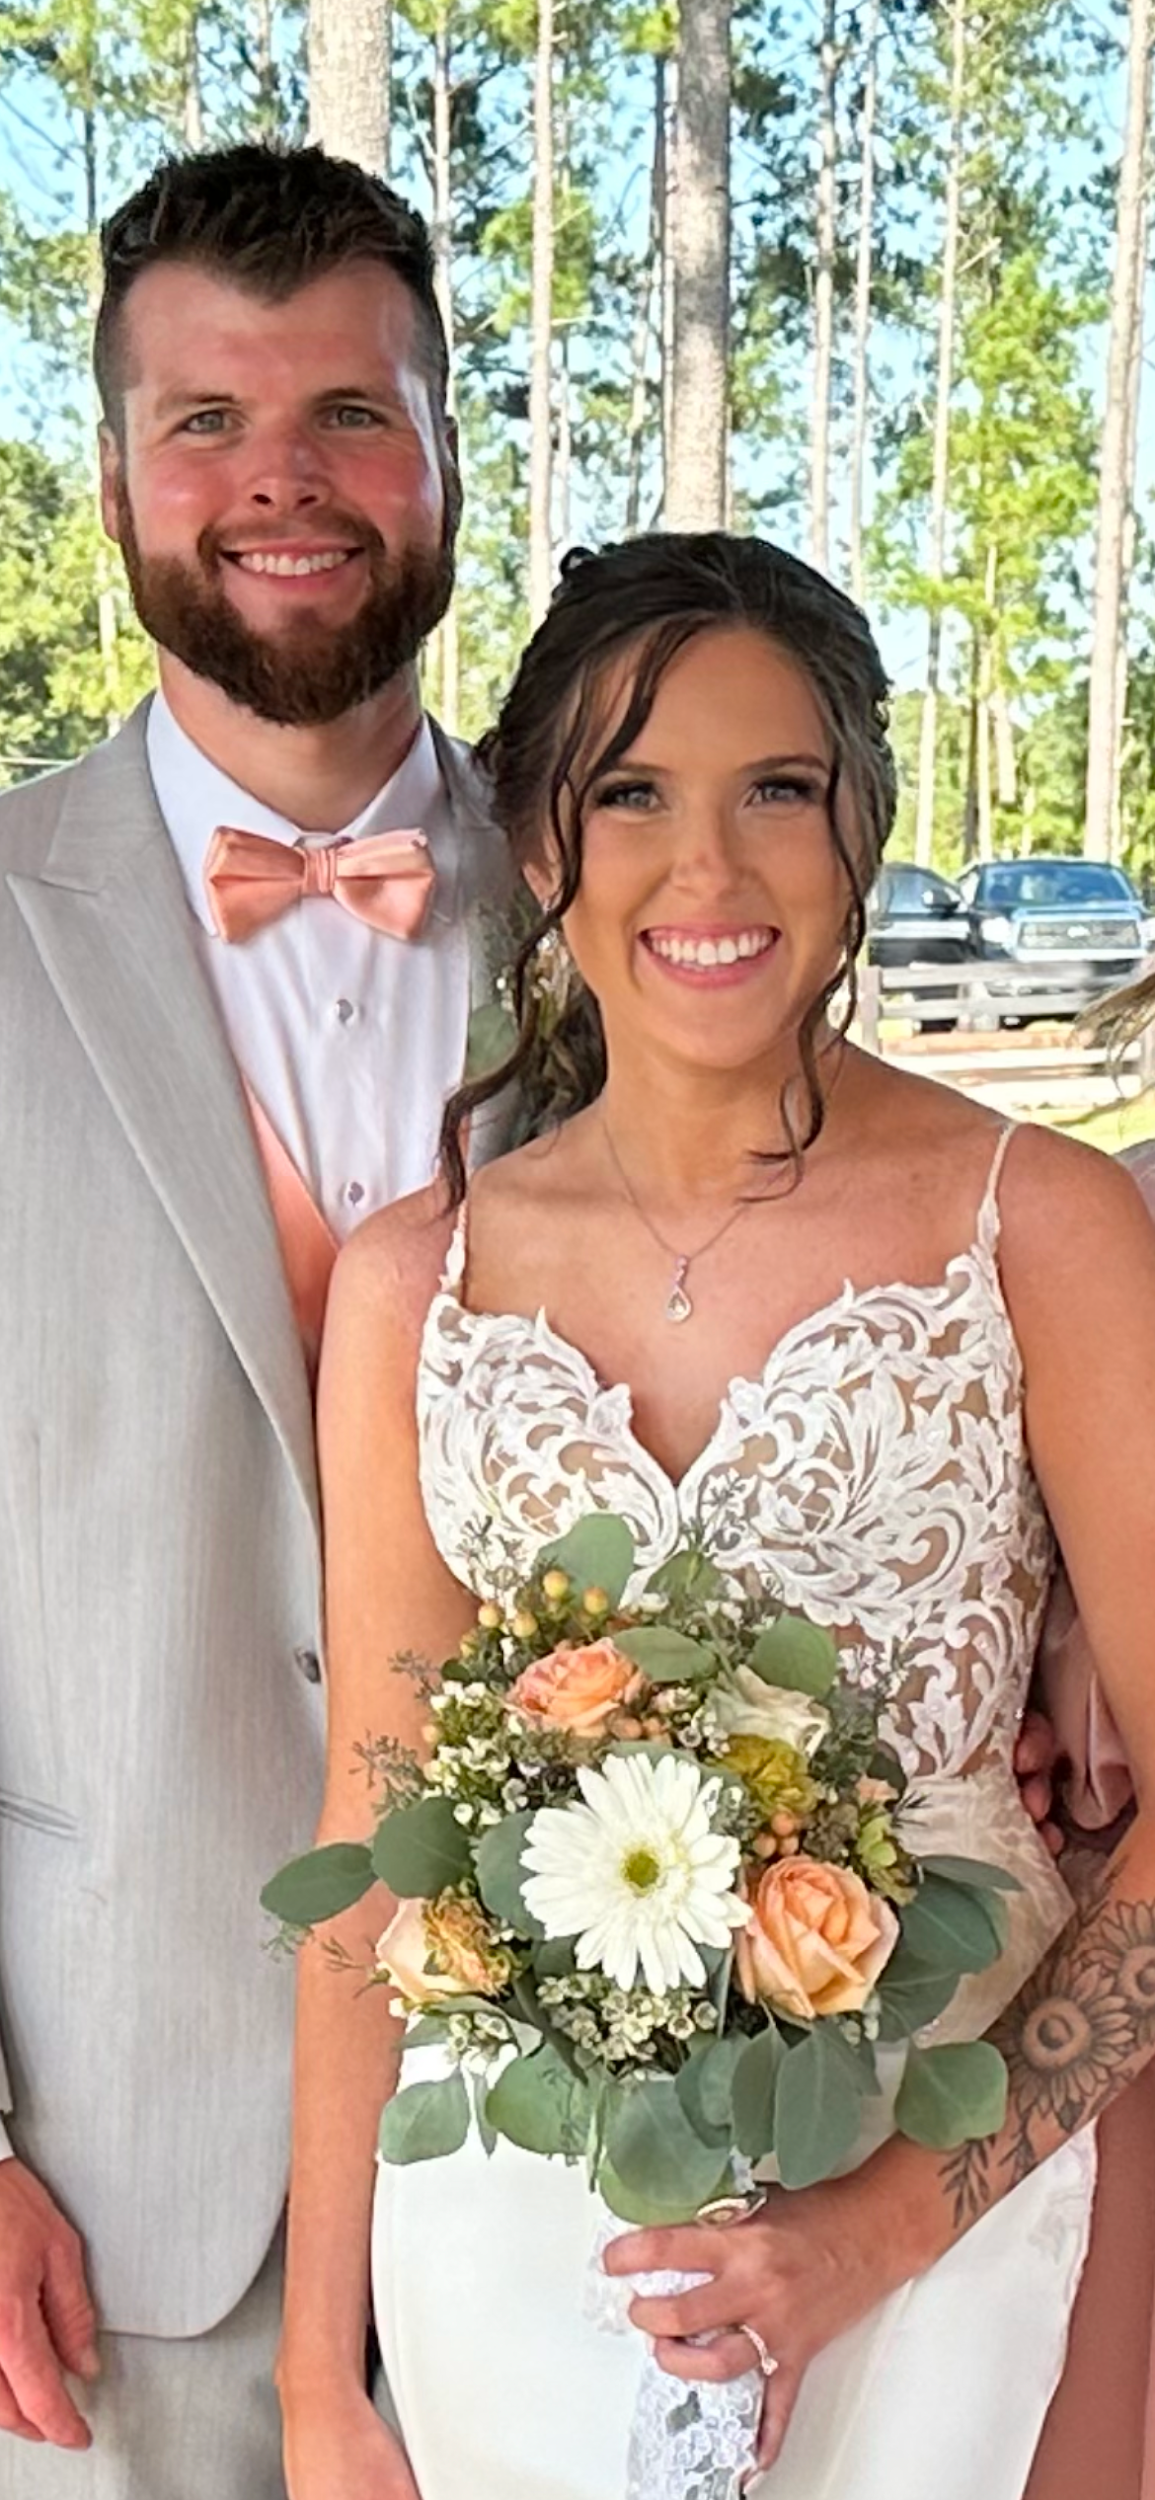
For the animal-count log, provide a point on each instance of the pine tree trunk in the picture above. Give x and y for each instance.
(541, 323)
(669, 223)
(860, 421)
(350, 60)
(824, 297)
(193, 119)
(1115, 530)
(696, 492)
(649, 280)
(268, 101)
(940, 480)
(447, 640)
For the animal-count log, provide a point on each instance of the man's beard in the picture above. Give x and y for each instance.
(311, 672)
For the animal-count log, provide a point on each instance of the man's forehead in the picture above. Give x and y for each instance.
(178, 314)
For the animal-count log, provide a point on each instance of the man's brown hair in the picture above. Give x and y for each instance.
(268, 219)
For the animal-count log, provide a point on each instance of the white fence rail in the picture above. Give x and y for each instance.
(956, 1018)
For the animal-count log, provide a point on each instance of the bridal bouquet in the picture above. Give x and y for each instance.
(656, 1898)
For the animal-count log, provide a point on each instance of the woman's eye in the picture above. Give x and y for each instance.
(626, 794)
(789, 789)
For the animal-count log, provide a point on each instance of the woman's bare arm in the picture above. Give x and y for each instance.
(387, 1593)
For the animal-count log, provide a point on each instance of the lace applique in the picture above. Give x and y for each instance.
(877, 1467)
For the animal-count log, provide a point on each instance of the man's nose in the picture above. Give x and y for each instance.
(287, 472)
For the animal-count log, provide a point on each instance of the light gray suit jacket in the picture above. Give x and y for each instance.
(160, 1711)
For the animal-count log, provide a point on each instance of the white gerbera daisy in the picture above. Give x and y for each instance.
(636, 1873)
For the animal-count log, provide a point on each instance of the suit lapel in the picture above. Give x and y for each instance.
(110, 920)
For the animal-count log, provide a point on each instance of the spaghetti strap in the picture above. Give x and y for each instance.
(453, 1272)
(988, 1223)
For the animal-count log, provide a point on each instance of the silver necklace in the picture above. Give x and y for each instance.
(678, 1304)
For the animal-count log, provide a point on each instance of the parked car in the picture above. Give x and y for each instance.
(1063, 931)
(916, 918)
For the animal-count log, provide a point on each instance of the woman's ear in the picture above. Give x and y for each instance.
(542, 884)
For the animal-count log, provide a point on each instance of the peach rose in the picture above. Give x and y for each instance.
(442, 1948)
(816, 1940)
(577, 1689)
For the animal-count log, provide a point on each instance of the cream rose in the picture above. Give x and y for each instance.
(816, 1940)
(743, 1704)
(442, 1948)
(577, 1689)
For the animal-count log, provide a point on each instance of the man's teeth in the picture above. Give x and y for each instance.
(706, 953)
(326, 562)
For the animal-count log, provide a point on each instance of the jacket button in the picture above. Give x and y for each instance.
(309, 1664)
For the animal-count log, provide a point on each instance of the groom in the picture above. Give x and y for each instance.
(215, 1058)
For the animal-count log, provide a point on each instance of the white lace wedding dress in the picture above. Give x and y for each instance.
(878, 1468)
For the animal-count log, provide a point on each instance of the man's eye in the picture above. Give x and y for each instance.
(352, 419)
(205, 421)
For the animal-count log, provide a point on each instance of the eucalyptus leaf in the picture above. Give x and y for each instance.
(951, 2094)
(688, 1573)
(909, 1995)
(424, 2121)
(975, 1872)
(817, 2108)
(655, 2156)
(752, 2092)
(666, 1656)
(598, 1554)
(537, 2103)
(419, 1850)
(320, 1885)
(486, 2134)
(952, 1928)
(500, 1873)
(489, 1040)
(704, 2086)
(797, 1655)
(554, 1958)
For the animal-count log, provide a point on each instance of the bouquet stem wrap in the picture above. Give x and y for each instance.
(689, 2440)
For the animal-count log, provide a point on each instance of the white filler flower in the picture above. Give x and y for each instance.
(636, 1873)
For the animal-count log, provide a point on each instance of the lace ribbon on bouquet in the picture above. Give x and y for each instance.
(688, 2440)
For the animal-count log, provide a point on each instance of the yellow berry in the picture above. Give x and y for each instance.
(595, 1602)
(489, 1616)
(524, 1625)
(467, 1645)
(555, 1586)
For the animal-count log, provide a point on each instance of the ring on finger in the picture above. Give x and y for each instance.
(766, 2361)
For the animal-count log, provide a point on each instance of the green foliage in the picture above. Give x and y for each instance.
(420, 1850)
(500, 1874)
(657, 2167)
(539, 2104)
(667, 1656)
(797, 1655)
(320, 1885)
(424, 2121)
(950, 2095)
(817, 2106)
(598, 1554)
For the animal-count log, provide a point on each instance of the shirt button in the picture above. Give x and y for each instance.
(345, 1011)
(354, 1193)
(309, 1664)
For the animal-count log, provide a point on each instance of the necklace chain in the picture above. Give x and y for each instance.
(678, 1304)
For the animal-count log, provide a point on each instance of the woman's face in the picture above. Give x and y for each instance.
(712, 901)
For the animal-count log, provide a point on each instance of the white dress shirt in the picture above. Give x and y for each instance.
(350, 1039)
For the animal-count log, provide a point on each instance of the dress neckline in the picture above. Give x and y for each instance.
(979, 1258)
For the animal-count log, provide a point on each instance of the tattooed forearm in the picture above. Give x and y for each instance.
(967, 2180)
(1077, 2032)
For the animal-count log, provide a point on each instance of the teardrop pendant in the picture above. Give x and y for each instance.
(678, 1304)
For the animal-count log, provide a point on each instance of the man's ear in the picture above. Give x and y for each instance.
(111, 470)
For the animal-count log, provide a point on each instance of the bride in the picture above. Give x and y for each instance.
(756, 1280)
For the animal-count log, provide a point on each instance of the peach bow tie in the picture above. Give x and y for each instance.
(384, 878)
